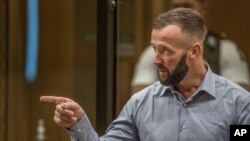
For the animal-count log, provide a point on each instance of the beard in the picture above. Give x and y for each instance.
(177, 75)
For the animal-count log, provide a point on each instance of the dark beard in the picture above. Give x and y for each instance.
(178, 74)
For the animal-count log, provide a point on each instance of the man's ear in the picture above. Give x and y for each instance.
(195, 50)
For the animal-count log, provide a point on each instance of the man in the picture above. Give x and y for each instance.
(189, 103)
(223, 56)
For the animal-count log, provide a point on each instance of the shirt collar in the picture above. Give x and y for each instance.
(207, 85)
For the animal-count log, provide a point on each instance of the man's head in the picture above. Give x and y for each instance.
(199, 5)
(177, 38)
(190, 22)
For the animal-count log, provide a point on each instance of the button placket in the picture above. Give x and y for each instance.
(184, 125)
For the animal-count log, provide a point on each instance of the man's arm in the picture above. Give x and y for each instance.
(243, 109)
(70, 115)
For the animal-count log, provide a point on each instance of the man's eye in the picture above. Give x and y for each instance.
(160, 49)
(163, 50)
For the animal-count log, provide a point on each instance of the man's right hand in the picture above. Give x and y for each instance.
(67, 111)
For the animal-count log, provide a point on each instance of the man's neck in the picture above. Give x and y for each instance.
(191, 82)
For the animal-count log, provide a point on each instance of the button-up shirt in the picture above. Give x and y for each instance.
(160, 113)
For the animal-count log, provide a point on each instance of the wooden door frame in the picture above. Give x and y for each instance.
(3, 68)
(107, 39)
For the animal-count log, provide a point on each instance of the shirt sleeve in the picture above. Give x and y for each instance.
(145, 72)
(243, 109)
(121, 129)
(232, 63)
(83, 131)
(124, 127)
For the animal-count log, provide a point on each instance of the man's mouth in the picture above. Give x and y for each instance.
(161, 69)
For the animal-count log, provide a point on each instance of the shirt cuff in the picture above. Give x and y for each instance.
(81, 129)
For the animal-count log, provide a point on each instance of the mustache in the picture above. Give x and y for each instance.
(159, 66)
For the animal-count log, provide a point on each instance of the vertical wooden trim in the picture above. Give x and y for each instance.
(106, 62)
(101, 87)
(3, 69)
(143, 14)
(139, 27)
(143, 25)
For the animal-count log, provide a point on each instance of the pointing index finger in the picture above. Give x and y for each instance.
(54, 99)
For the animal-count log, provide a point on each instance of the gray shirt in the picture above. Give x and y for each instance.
(160, 113)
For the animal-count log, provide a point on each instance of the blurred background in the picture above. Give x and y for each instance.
(85, 50)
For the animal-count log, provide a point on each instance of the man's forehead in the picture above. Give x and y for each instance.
(171, 34)
(169, 30)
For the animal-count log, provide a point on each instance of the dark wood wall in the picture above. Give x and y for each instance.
(2, 78)
(232, 18)
(68, 55)
(66, 66)
(55, 69)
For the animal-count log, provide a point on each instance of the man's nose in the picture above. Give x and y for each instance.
(157, 58)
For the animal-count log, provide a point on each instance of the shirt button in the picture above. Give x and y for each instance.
(79, 130)
(185, 104)
(183, 126)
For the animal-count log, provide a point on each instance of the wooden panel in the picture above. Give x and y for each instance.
(56, 63)
(123, 81)
(143, 24)
(55, 69)
(1, 62)
(127, 49)
(66, 65)
(233, 19)
(85, 56)
(158, 6)
(2, 75)
(18, 105)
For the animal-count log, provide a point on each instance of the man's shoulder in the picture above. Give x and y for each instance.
(224, 85)
(145, 98)
(155, 89)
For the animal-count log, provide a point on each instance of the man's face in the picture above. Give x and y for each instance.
(177, 74)
(170, 58)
